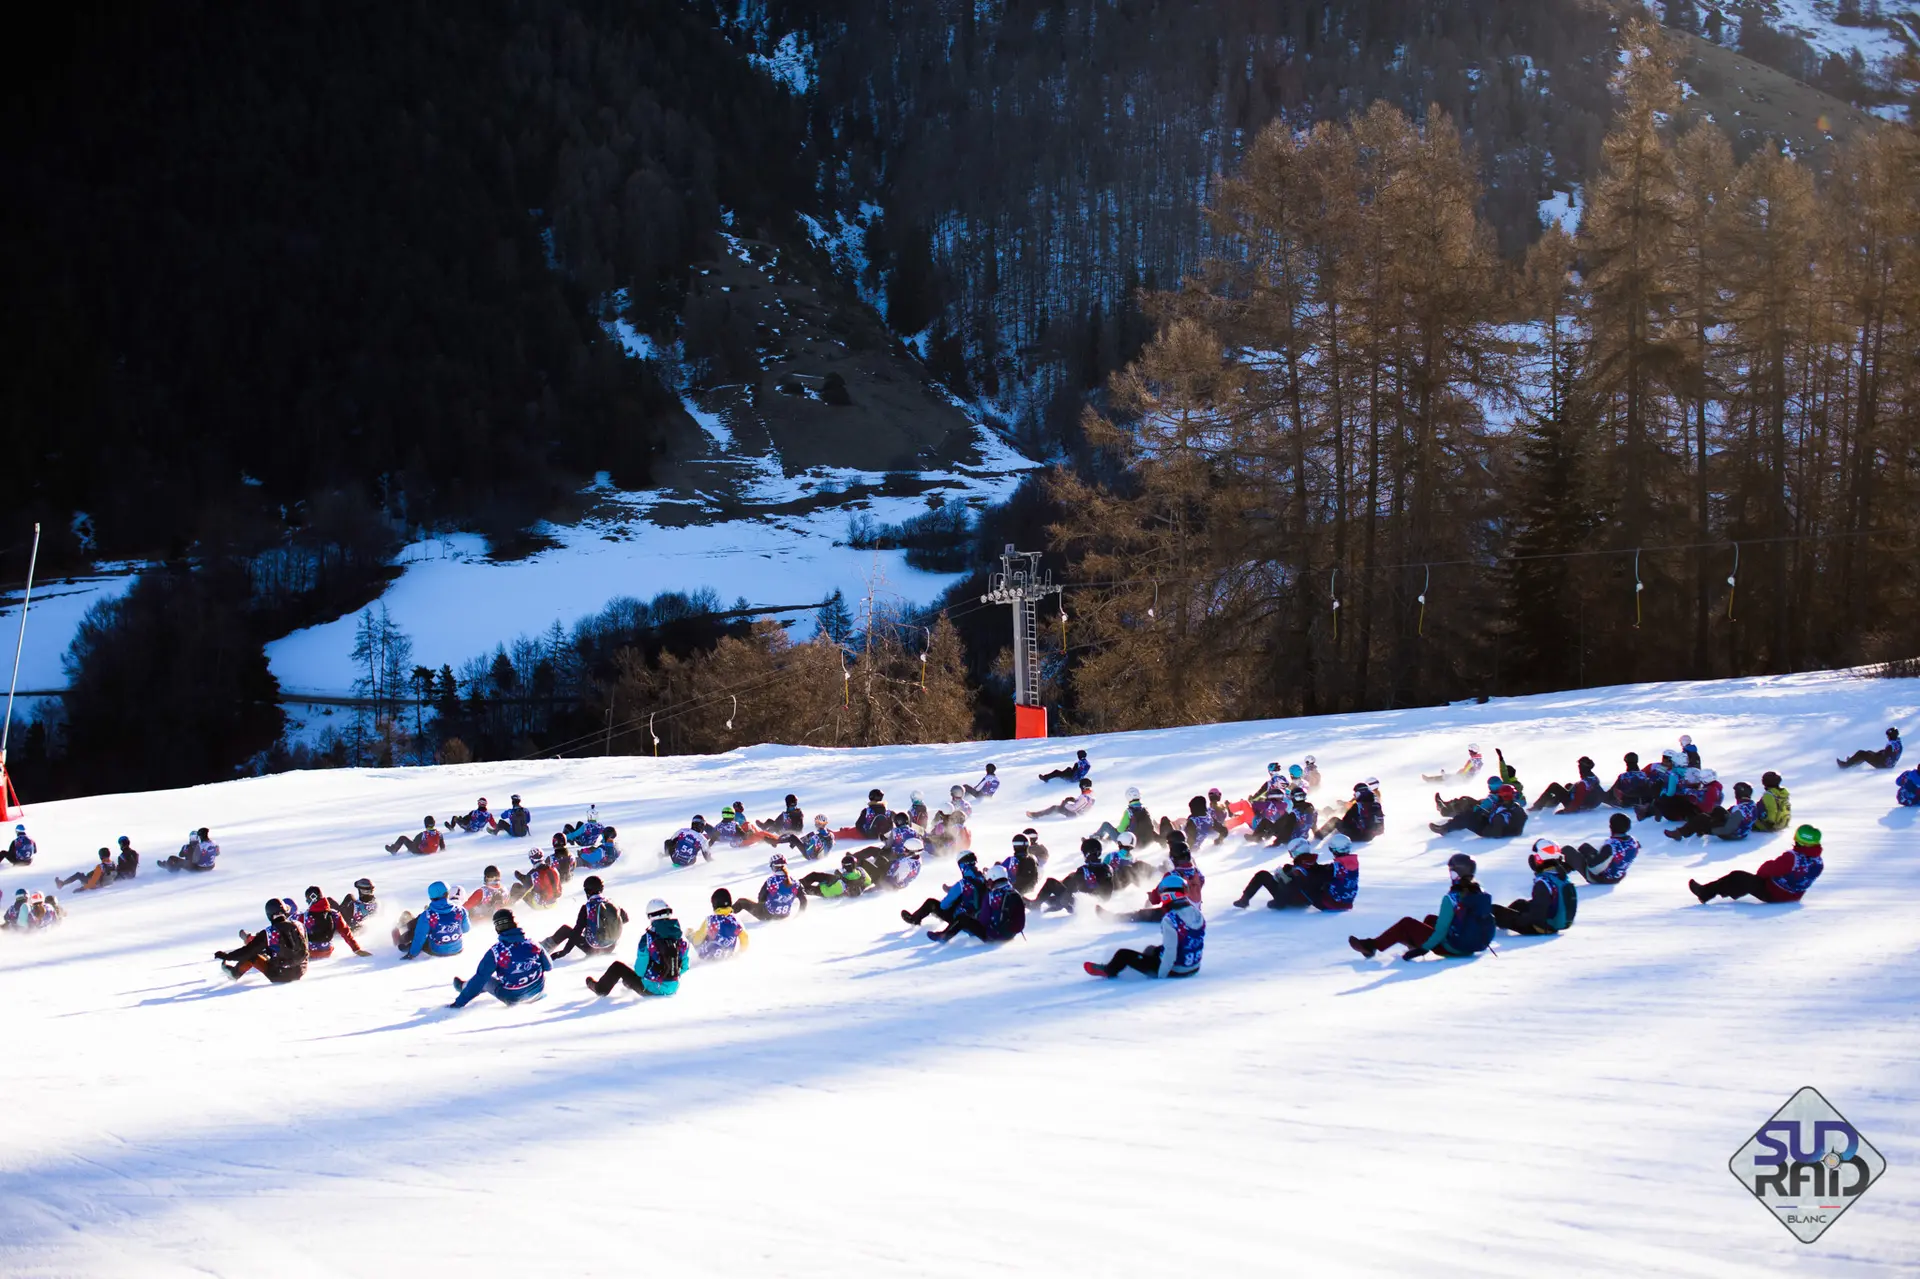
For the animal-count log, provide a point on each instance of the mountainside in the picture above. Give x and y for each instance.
(1566, 1103)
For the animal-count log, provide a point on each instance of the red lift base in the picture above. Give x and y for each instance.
(1029, 721)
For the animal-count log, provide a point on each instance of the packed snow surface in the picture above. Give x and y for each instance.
(850, 1099)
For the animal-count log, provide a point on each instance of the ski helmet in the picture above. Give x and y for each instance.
(996, 874)
(1311, 763)
(847, 861)
(901, 819)
(777, 862)
(1893, 734)
(721, 899)
(990, 768)
(313, 893)
(1173, 888)
(1213, 792)
(1461, 866)
(956, 791)
(1295, 847)
(1545, 858)
(1133, 793)
(969, 858)
(428, 821)
(1091, 847)
(1086, 783)
(514, 798)
(917, 798)
(875, 795)
(657, 908)
(1494, 784)
(1127, 839)
(1020, 841)
(1807, 837)
(1743, 790)
(1182, 857)
(1295, 771)
(1584, 764)
(436, 890)
(1507, 794)
(537, 856)
(593, 886)
(1273, 767)
(1472, 748)
(793, 801)
(1770, 780)
(1339, 843)
(1079, 754)
(1685, 741)
(276, 908)
(366, 885)
(820, 820)
(503, 921)
(913, 844)
(1619, 824)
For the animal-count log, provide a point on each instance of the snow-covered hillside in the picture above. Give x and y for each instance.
(849, 1099)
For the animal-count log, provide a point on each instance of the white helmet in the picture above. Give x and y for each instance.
(657, 908)
(918, 798)
(1125, 839)
(1673, 755)
(1296, 847)
(1338, 843)
(1133, 792)
(996, 874)
(1706, 775)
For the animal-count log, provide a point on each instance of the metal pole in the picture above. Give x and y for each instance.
(19, 645)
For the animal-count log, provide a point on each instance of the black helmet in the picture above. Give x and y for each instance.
(875, 795)
(1091, 847)
(363, 884)
(276, 909)
(847, 861)
(313, 893)
(1619, 823)
(901, 819)
(1893, 734)
(1743, 789)
(1769, 780)
(722, 899)
(503, 921)
(1080, 754)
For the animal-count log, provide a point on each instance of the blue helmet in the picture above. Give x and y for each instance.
(1494, 783)
(436, 890)
(1296, 771)
(1172, 885)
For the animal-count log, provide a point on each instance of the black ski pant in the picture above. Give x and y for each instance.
(575, 939)
(1701, 823)
(1514, 918)
(1285, 892)
(1052, 810)
(618, 974)
(972, 927)
(814, 880)
(1742, 883)
(1472, 820)
(1555, 793)
(1058, 775)
(407, 842)
(1454, 807)
(1054, 895)
(1145, 915)
(1279, 829)
(925, 908)
(1141, 961)
(1668, 808)
(1879, 759)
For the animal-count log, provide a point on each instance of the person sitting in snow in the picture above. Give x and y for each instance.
(1463, 926)
(1551, 906)
(1731, 822)
(1094, 878)
(97, 876)
(720, 935)
(438, 930)
(1073, 805)
(780, 894)
(660, 960)
(1471, 768)
(586, 831)
(959, 898)
(1364, 818)
(1632, 788)
(1583, 793)
(1135, 818)
(278, 952)
(949, 833)
(1074, 772)
(1499, 816)
(489, 897)
(689, 844)
(791, 820)
(428, 841)
(1685, 793)
(1886, 757)
(472, 823)
(814, 844)
(1332, 884)
(33, 911)
(996, 914)
(1609, 863)
(539, 887)
(513, 970)
(1197, 827)
(873, 821)
(595, 928)
(1026, 861)
(360, 905)
(988, 785)
(323, 922)
(1183, 938)
(1906, 789)
(21, 851)
(199, 853)
(603, 854)
(957, 801)
(733, 830)
(560, 857)
(849, 881)
(516, 821)
(1785, 878)
(1158, 903)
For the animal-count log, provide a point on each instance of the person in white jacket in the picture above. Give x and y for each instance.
(1183, 935)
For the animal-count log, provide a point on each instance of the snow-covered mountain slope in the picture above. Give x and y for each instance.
(848, 1098)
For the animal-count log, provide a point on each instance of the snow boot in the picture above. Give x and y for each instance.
(458, 985)
(1096, 970)
(1438, 828)
(1361, 944)
(1703, 895)
(1239, 903)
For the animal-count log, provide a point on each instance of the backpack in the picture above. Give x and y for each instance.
(289, 942)
(516, 964)
(1006, 913)
(204, 856)
(1345, 885)
(1472, 929)
(663, 950)
(519, 820)
(605, 924)
(320, 926)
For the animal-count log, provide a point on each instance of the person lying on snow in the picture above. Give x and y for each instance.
(1364, 818)
(1499, 816)
(1094, 877)
(988, 785)
(539, 887)
(1609, 863)
(1308, 881)
(1785, 878)
(780, 894)
(323, 922)
(949, 833)
(1471, 768)
(360, 905)
(278, 952)
(998, 913)
(1583, 793)
(960, 898)
(595, 928)
(1733, 822)
(1886, 757)
(896, 863)
(1074, 772)
(720, 935)
(472, 823)
(1183, 936)
(849, 881)
(603, 854)
(1076, 804)
(428, 841)
(513, 970)
(689, 844)
(815, 843)
(660, 960)
(199, 853)
(1551, 906)
(437, 930)
(1158, 903)
(1463, 926)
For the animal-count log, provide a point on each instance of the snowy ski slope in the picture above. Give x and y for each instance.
(848, 1099)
